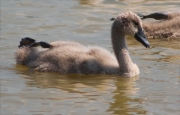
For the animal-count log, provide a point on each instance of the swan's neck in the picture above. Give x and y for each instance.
(120, 49)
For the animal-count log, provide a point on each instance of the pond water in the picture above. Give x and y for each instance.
(23, 92)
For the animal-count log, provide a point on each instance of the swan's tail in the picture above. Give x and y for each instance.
(32, 43)
(26, 42)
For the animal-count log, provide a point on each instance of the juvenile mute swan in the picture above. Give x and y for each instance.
(71, 57)
(166, 25)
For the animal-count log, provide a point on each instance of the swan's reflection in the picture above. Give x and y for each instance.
(124, 102)
(114, 92)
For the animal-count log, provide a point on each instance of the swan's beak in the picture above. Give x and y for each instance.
(140, 36)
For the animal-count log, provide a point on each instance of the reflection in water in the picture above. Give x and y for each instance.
(124, 102)
(90, 2)
(90, 87)
(169, 44)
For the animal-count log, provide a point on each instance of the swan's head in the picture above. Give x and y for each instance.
(130, 24)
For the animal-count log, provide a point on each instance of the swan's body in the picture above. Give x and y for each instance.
(165, 26)
(71, 57)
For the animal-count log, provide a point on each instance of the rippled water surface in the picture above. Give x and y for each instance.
(23, 92)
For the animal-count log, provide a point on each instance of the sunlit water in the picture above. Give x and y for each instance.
(23, 92)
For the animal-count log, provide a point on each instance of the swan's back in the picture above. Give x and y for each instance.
(172, 15)
(168, 28)
(67, 57)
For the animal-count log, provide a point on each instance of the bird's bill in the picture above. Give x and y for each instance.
(140, 36)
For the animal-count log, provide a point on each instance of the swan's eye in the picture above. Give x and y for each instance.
(135, 23)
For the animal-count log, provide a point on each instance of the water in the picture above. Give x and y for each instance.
(155, 92)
